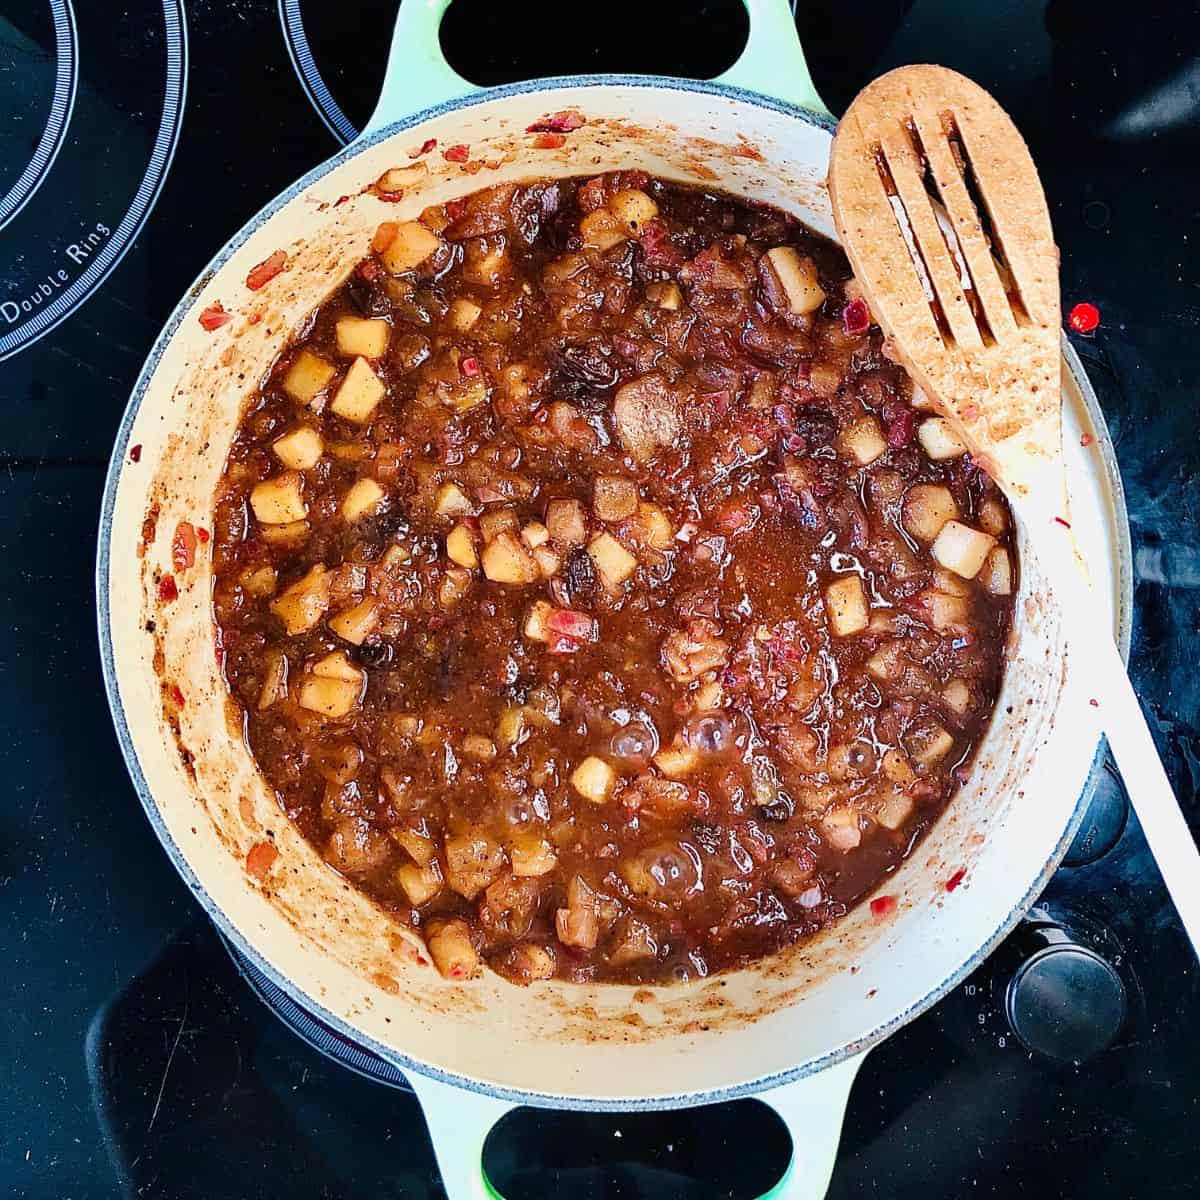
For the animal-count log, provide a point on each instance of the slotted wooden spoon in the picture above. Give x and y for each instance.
(942, 215)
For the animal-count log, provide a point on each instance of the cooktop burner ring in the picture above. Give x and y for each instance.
(315, 88)
(66, 83)
(55, 255)
(310, 1029)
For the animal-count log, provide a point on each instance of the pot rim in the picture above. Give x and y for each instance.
(342, 1027)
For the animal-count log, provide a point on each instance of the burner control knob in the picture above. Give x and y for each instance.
(1064, 1000)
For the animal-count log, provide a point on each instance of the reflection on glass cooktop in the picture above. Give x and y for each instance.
(135, 1058)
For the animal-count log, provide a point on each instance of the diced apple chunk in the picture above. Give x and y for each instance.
(361, 500)
(486, 261)
(363, 336)
(450, 948)
(460, 547)
(614, 564)
(846, 603)
(451, 501)
(354, 625)
(896, 767)
(957, 695)
(938, 439)
(594, 779)
(531, 855)
(565, 521)
(302, 605)
(894, 812)
(275, 679)
(943, 611)
(291, 534)
(455, 585)
(513, 725)
(411, 246)
(951, 584)
(360, 393)
(991, 517)
(962, 549)
(506, 560)
(279, 501)
(396, 179)
(548, 562)
(473, 861)
(260, 581)
(476, 746)
(300, 449)
(462, 315)
(614, 497)
(997, 572)
(677, 760)
(496, 521)
(864, 441)
(537, 627)
(930, 746)
(329, 697)
(840, 828)
(308, 376)
(518, 380)
(798, 278)
(418, 845)
(667, 296)
(420, 884)
(927, 507)
(654, 527)
(633, 208)
(601, 230)
(535, 534)
(336, 665)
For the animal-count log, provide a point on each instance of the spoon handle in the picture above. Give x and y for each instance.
(1110, 693)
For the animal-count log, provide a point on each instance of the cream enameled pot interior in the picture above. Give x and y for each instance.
(312, 931)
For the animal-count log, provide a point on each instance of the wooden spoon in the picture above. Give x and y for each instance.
(942, 215)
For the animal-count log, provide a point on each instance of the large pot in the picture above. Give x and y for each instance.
(791, 1030)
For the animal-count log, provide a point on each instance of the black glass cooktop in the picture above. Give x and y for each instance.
(135, 1057)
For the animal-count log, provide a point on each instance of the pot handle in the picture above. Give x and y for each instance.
(773, 62)
(812, 1109)
(458, 1122)
(418, 76)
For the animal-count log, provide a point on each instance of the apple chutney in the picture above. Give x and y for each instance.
(600, 599)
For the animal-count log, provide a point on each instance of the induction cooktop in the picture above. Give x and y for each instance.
(138, 1057)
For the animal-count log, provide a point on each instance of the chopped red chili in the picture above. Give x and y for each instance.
(560, 122)
(457, 154)
(883, 906)
(1086, 439)
(266, 270)
(135, 453)
(183, 546)
(214, 316)
(1084, 318)
(956, 879)
(549, 141)
(261, 859)
(168, 589)
(384, 236)
(856, 317)
(424, 148)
